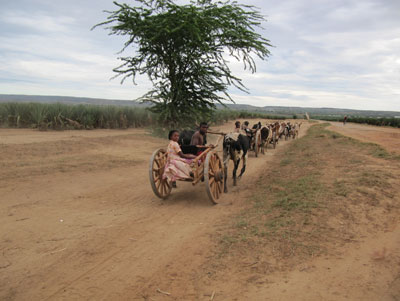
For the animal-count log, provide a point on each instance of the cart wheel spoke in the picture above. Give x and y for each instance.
(214, 163)
(211, 163)
(159, 183)
(164, 187)
(219, 186)
(162, 192)
(213, 189)
(161, 189)
(211, 180)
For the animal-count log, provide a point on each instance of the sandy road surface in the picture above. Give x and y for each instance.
(79, 220)
(388, 137)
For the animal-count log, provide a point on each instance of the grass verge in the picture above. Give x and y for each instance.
(312, 200)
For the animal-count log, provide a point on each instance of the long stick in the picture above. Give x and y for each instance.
(202, 154)
(218, 141)
(216, 133)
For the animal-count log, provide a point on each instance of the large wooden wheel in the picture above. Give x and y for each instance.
(213, 176)
(161, 187)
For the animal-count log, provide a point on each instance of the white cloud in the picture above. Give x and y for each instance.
(39, 22)
(332, 53)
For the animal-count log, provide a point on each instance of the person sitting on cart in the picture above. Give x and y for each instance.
(199, 138)
(178, 164)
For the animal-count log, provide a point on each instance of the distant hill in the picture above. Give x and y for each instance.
(280, 110)
(322, 111)
(273, 110)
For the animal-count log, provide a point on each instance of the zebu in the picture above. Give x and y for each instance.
(185, 137)
(274, 128)
(255, 138)
(286, 129)
(235, 148)
(280, 130)
(265, 137)
(295, 130)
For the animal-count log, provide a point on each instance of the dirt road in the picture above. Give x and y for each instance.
(388, 137)
(79, 220)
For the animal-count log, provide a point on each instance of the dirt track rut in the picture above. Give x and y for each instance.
(82, 222)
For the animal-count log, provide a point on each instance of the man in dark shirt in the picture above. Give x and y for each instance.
(199, 138)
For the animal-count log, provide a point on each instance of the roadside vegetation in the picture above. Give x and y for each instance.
(60, 116)
(63, 116)
(383, 121)
(318, 196)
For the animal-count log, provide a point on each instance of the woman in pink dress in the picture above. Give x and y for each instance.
(178, 163)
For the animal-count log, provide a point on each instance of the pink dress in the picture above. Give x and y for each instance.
(176, 167)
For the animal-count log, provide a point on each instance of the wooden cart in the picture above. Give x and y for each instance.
(207, 166)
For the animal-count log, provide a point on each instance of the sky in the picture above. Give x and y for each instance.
(336, 53)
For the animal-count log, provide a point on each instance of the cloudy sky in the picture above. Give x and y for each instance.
(336, 53)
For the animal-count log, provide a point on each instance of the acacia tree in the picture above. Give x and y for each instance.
(184, 50)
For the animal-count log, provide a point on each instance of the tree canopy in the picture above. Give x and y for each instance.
(184, 51)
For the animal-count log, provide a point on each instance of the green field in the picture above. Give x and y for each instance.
(59, 116)
(381, 121)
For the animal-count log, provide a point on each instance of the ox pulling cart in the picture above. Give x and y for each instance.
(207, 166)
